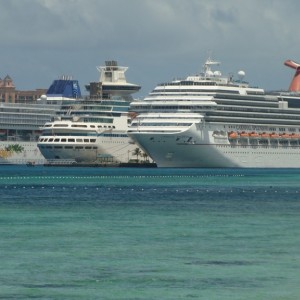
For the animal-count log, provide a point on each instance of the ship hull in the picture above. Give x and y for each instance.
(26, 152)
(199, 149)
(103, 150)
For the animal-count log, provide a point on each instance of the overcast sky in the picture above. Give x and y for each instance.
(157, 39)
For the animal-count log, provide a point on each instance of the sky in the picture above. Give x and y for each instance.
(158, 40)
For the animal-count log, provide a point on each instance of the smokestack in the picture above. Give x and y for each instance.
(295, 84)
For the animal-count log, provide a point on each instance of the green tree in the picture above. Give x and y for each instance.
(137, 152)
(15, 148)
(145, 156)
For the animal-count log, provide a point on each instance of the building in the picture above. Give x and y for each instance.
(9, 94)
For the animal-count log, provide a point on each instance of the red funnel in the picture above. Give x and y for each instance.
(295, 84)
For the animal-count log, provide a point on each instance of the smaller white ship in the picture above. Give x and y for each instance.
(95, 128)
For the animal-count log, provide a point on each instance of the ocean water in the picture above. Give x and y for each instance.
(118, 233)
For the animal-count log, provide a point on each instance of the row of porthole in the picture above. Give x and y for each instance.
(262, 153)
(64, 140)
(78, 126)
(257, 146)
(265, 143)
(67, 147)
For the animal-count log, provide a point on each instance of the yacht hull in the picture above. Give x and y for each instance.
(103, 150)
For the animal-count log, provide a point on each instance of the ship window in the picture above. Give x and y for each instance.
(56, 140)
(57, 147)
(86, 140)
(78, 147)
(63, 140)
(50, 140)
(60, 125)
(92, 126)
(68, 147)
(88, 147)
(93, 140)
(82, 126)
(79, 140)
(71, 140)
(99, 126)
(94, 147)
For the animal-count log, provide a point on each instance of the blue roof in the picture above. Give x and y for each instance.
(65, 87)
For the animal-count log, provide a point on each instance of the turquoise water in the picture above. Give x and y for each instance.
(91, 233)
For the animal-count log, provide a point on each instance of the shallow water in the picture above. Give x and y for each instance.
(117, 233)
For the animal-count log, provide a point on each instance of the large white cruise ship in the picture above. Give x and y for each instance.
(95, 129)
(209, 120)
(20, 122)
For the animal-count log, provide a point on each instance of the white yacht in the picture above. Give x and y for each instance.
(20, 122)
(210, 120)
(94, 130)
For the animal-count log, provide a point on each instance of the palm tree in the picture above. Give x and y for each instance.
(145, 156)
(137, 152)
(14, 148)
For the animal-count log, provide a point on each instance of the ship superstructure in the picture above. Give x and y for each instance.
(209, 120)
(94, 129)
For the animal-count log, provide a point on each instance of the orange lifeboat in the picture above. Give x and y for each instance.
(274, 135)
(295, 136)
(285, 136)
(232, 135)
(244, 134)
(265, 135)
(253, 134)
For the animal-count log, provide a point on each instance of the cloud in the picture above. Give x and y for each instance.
(157, 39)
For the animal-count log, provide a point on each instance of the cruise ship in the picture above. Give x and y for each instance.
(20, 123)
(94, 130)
(214, 121)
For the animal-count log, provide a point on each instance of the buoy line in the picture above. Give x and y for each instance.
(117, 176)
(156, 189)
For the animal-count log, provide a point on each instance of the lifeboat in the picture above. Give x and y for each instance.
(274, 135)
(253, 134)
(264, 135)
(232, 135)
(244, 134)
(295, 136)
(285, 136)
